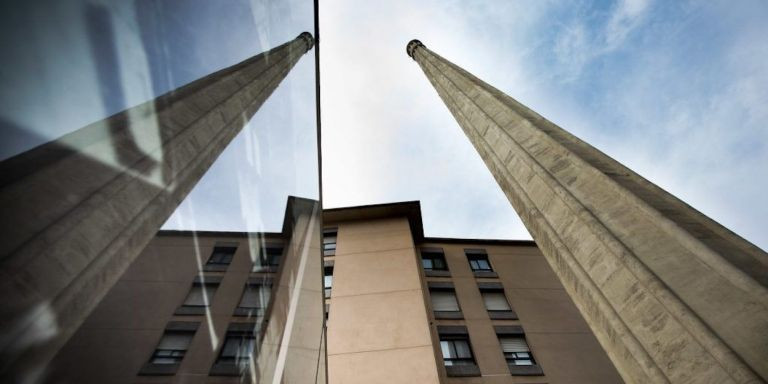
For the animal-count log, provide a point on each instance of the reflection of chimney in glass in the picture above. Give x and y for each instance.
(79, 209)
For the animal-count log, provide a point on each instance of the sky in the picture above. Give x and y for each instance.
(676, 91)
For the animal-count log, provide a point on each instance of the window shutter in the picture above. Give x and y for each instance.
(444, 301)
(195, 296)
(513, 344)
(496, 301)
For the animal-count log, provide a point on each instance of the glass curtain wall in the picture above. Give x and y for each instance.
(159, 183)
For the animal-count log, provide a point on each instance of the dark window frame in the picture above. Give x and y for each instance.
(329, 247)
(269, 258)
(452, 340)
(154, 368)
(259, 311)
(327, 276)
(429, 257)
(475, 260)
(227, 253)
(512, 358)
(237, 365)
(207, 283)
(467, 366)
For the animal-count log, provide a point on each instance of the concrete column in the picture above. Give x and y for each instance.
(378, 326)
(671, 295)
(78, 210)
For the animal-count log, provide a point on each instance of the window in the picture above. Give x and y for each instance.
(433, 261)
(444, 303)
(221, 256)
(516, 350)
(255, 299)
(443, 300)
(172, 347)
(495, 300)
(479, 262)
(328, 280)
(456, 350)
(237, 348)
(199, 296)
(269, 259)
(329, 241)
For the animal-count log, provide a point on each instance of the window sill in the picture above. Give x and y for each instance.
(251, 312)
(437, 273)
(502, 315)
(227, 369)
(448, 315)
(189, 310)
(215, 267)
(152, 369)
(468, 370)
(485, 274)
(525, 370)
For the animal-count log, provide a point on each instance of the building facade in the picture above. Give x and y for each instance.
(210, 307)
(196, 307)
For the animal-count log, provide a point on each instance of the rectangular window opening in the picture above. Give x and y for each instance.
(172, 347)
(329, 241)
(221, 256)
(269, 259)
(255, 300)
(328, 280)
(495, 300)
(433, 261)
(479, 262)
(200, 295)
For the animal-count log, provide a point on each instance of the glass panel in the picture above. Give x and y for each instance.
(254, 296)
(196, 297)
(168, 130)
(231, 347)
(462, 349)
(447, 348)
(426, 263)
(178, 341)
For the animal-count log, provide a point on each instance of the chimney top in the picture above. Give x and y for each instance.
(307, 39)
(411, 47)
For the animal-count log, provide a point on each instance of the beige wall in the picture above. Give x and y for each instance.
(560, 340)
(378, 328)
(121, 334)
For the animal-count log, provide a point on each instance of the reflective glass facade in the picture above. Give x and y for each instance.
(122, 118)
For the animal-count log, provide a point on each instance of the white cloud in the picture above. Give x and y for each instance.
(626, 16)
(388, 136)
(584, 39)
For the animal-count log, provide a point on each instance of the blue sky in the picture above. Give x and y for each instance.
(676, 90)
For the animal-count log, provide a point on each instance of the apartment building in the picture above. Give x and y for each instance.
(215, 307)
